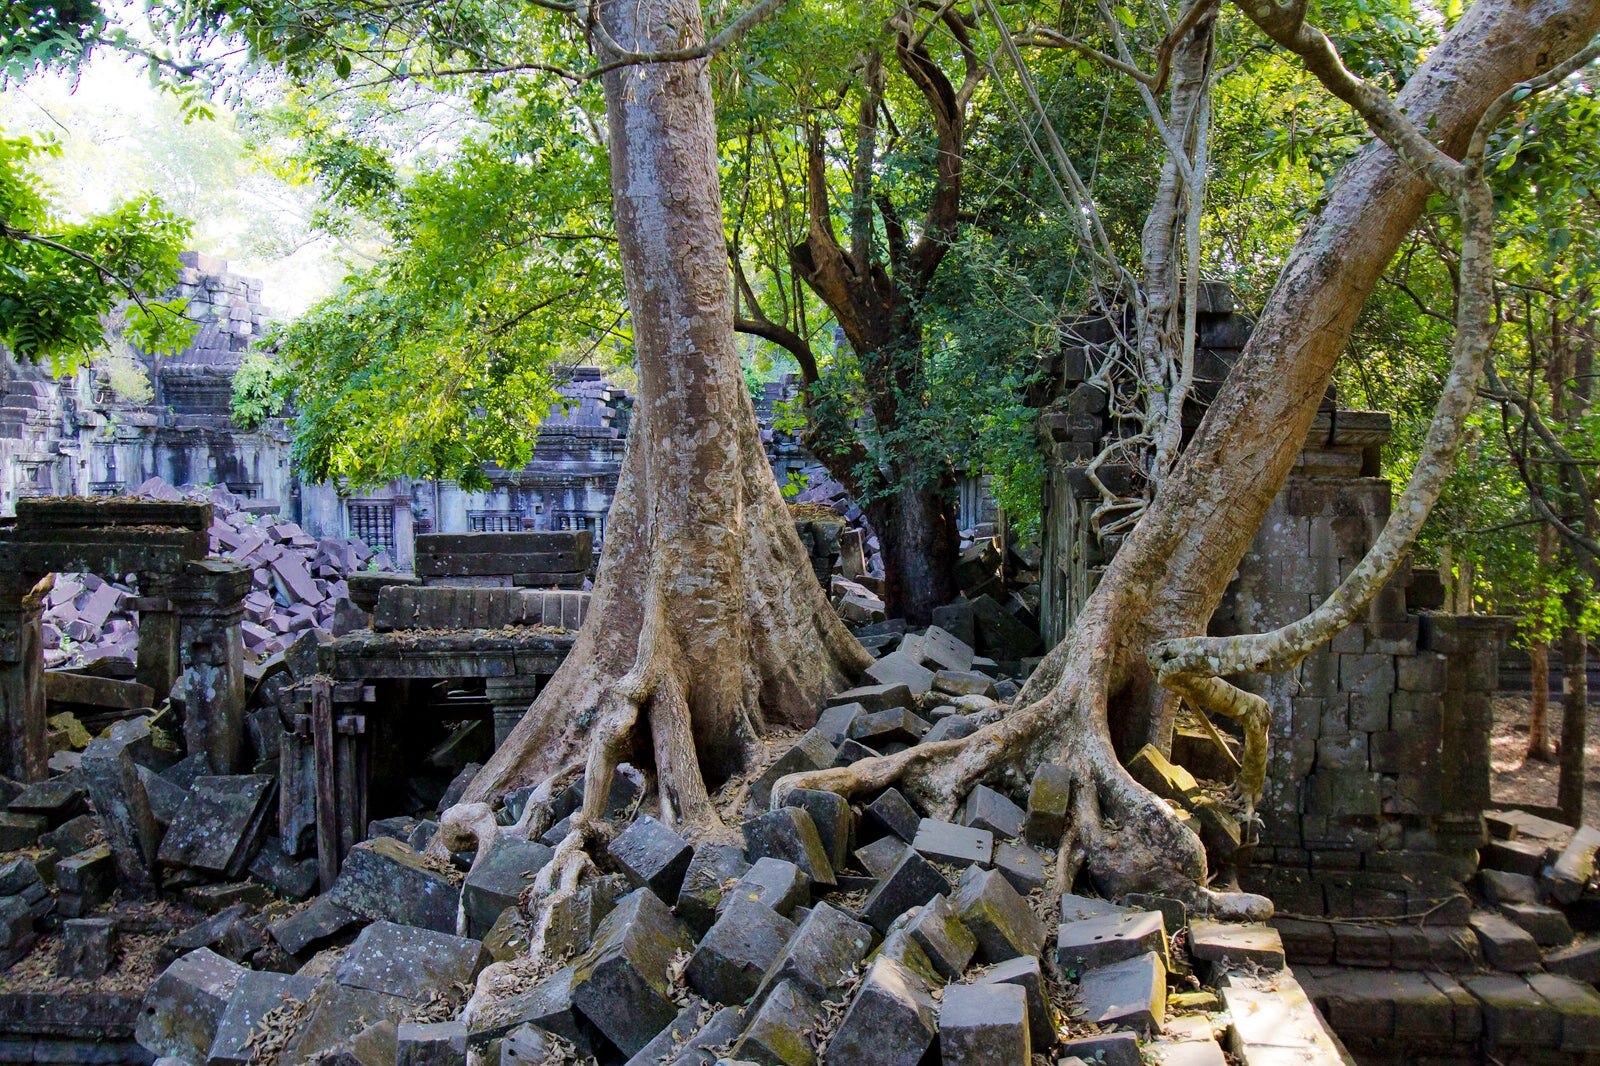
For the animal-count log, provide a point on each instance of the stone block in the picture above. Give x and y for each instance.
(1574, 868)
(621, 984)
(1505, 945)
(652, 856)
(811, 752)
(1548, 926)
(1000, 920)
(789, 834)
(409, 963)
(911, 882)
(675, 1039)
(431, 1044)
(1454, 948)
(984, 1025)
(1107, 1049)
(958, 845)
(873, 697)
(1363, 945)
(950, 727)
(1074, 907)
(312, 925)
(575, 921)
(1100, 941)
(497, 880)
(775, 883)
(1228, 945)
(220, 825)
(1500, 887)
(991, 810)
(853, 751)
(88, 948)
(548, 1005)
(1131, 993)
(712, 867)
(1025, 867)
(782, 1031)
(1049, 797)
(834, 722)
(1580, 961)
(256, 995)
(733, 956)
(892, 813)
(384, 879)
(880, 856)
(184, 1005)
(880, 729)
(56, 800)
(830, 813)
(945, 942)
(1026, 973)
(820, 955)
(999, 634)
(1166, 779)
(1578, 1006)
(227, 932)
(112, 776)
(1515, 1015)
(891, 1021)
(901, 668)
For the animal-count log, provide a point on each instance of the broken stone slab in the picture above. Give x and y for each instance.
(1131, 993)
(166, 798)
(1109, 938)
(227, 932)
(949, 727)
(575, 920)
(1000, 920)
(496, 880)
(385, 879)
(1025, 867)
(312, 926)
(1026, 973)
(811, 752)
(880, 856)
(56, 800)
(963, 683)
(912, 882)
(254, 997)
(834, 722)
(652, 856)
(337, 1015)
(183, 1007)
(728, 964)
(1505, 944)
(220, 825)
(947, 944)
(892, 813)
(1074, 907)
(431, 1044)
(958, 845)
(1165, 778)
(1580, 961)
(1107, 1049)
(874, 697)
(789, 833)
(782, 1031)
(1499, 886)
(821, 954)
(111, 772)
(84, 881)
(984, 1025)
(621, 984)
(547, 1005)
(88, 948)
(409, 963)
(1575, 867)
(712, 867)
(891, 1021)
(1239, 944)
(1547, 925)
(776, 883)
(830, 813)
(902, 668)
(991, 810)
(880, 729)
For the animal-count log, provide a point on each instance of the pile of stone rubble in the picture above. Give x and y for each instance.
(298, 581)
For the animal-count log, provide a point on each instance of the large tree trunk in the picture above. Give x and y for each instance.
(916, 527)
(707, 626)
(1574, 716)
(1172, 571)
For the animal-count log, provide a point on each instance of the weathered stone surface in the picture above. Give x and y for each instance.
(431, 1044)
(1026, 973)
(963, 683)
(408, 962)
(1166, 779)
(1575, 867)
(956, 844)
(1000, 920)
(912, 882)
(730, 960)
(1024, 866)
(1220, 943)
(712, 867)
(937, 930)
(984, 1025)
(385, 879)
(873, 697)
(1548, 926)
(781, 1033)
(56, 800)
(621, 984)
(830, 813)
(1100, 941)
(88, 948)
(1580, 961)
(295, 878)
(185, 1004)
(811, 752)
(575, 920)
(1075, 907)
(312, 925)
(949, 727)
(496, 881)
(120, 802)
(1506, 945)
(820, 954)
(253, 997)
(220, 825)
(1131, 993)
(547, 1005)
(85, 880)
(777, 883)
(892, 813)
(900, 668)
(882, 730)
(1514, 1014)
(1579, 1007)
(652, 856)
(890, 1022)
(227, 932)
(1500, 886)
(789, 833)
(880, 856)
(991, 810)
(834, 722)
(1108, 1049)
(1276, 1023)
(1049, 795)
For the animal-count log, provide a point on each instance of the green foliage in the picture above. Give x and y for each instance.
(58, 279)
(263, 388)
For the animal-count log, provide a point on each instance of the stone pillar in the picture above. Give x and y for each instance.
(1471, 646)
(405, 548)
(157, 664)
(209, 600)
(510, 697)
(22, 707)
(111, 773)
